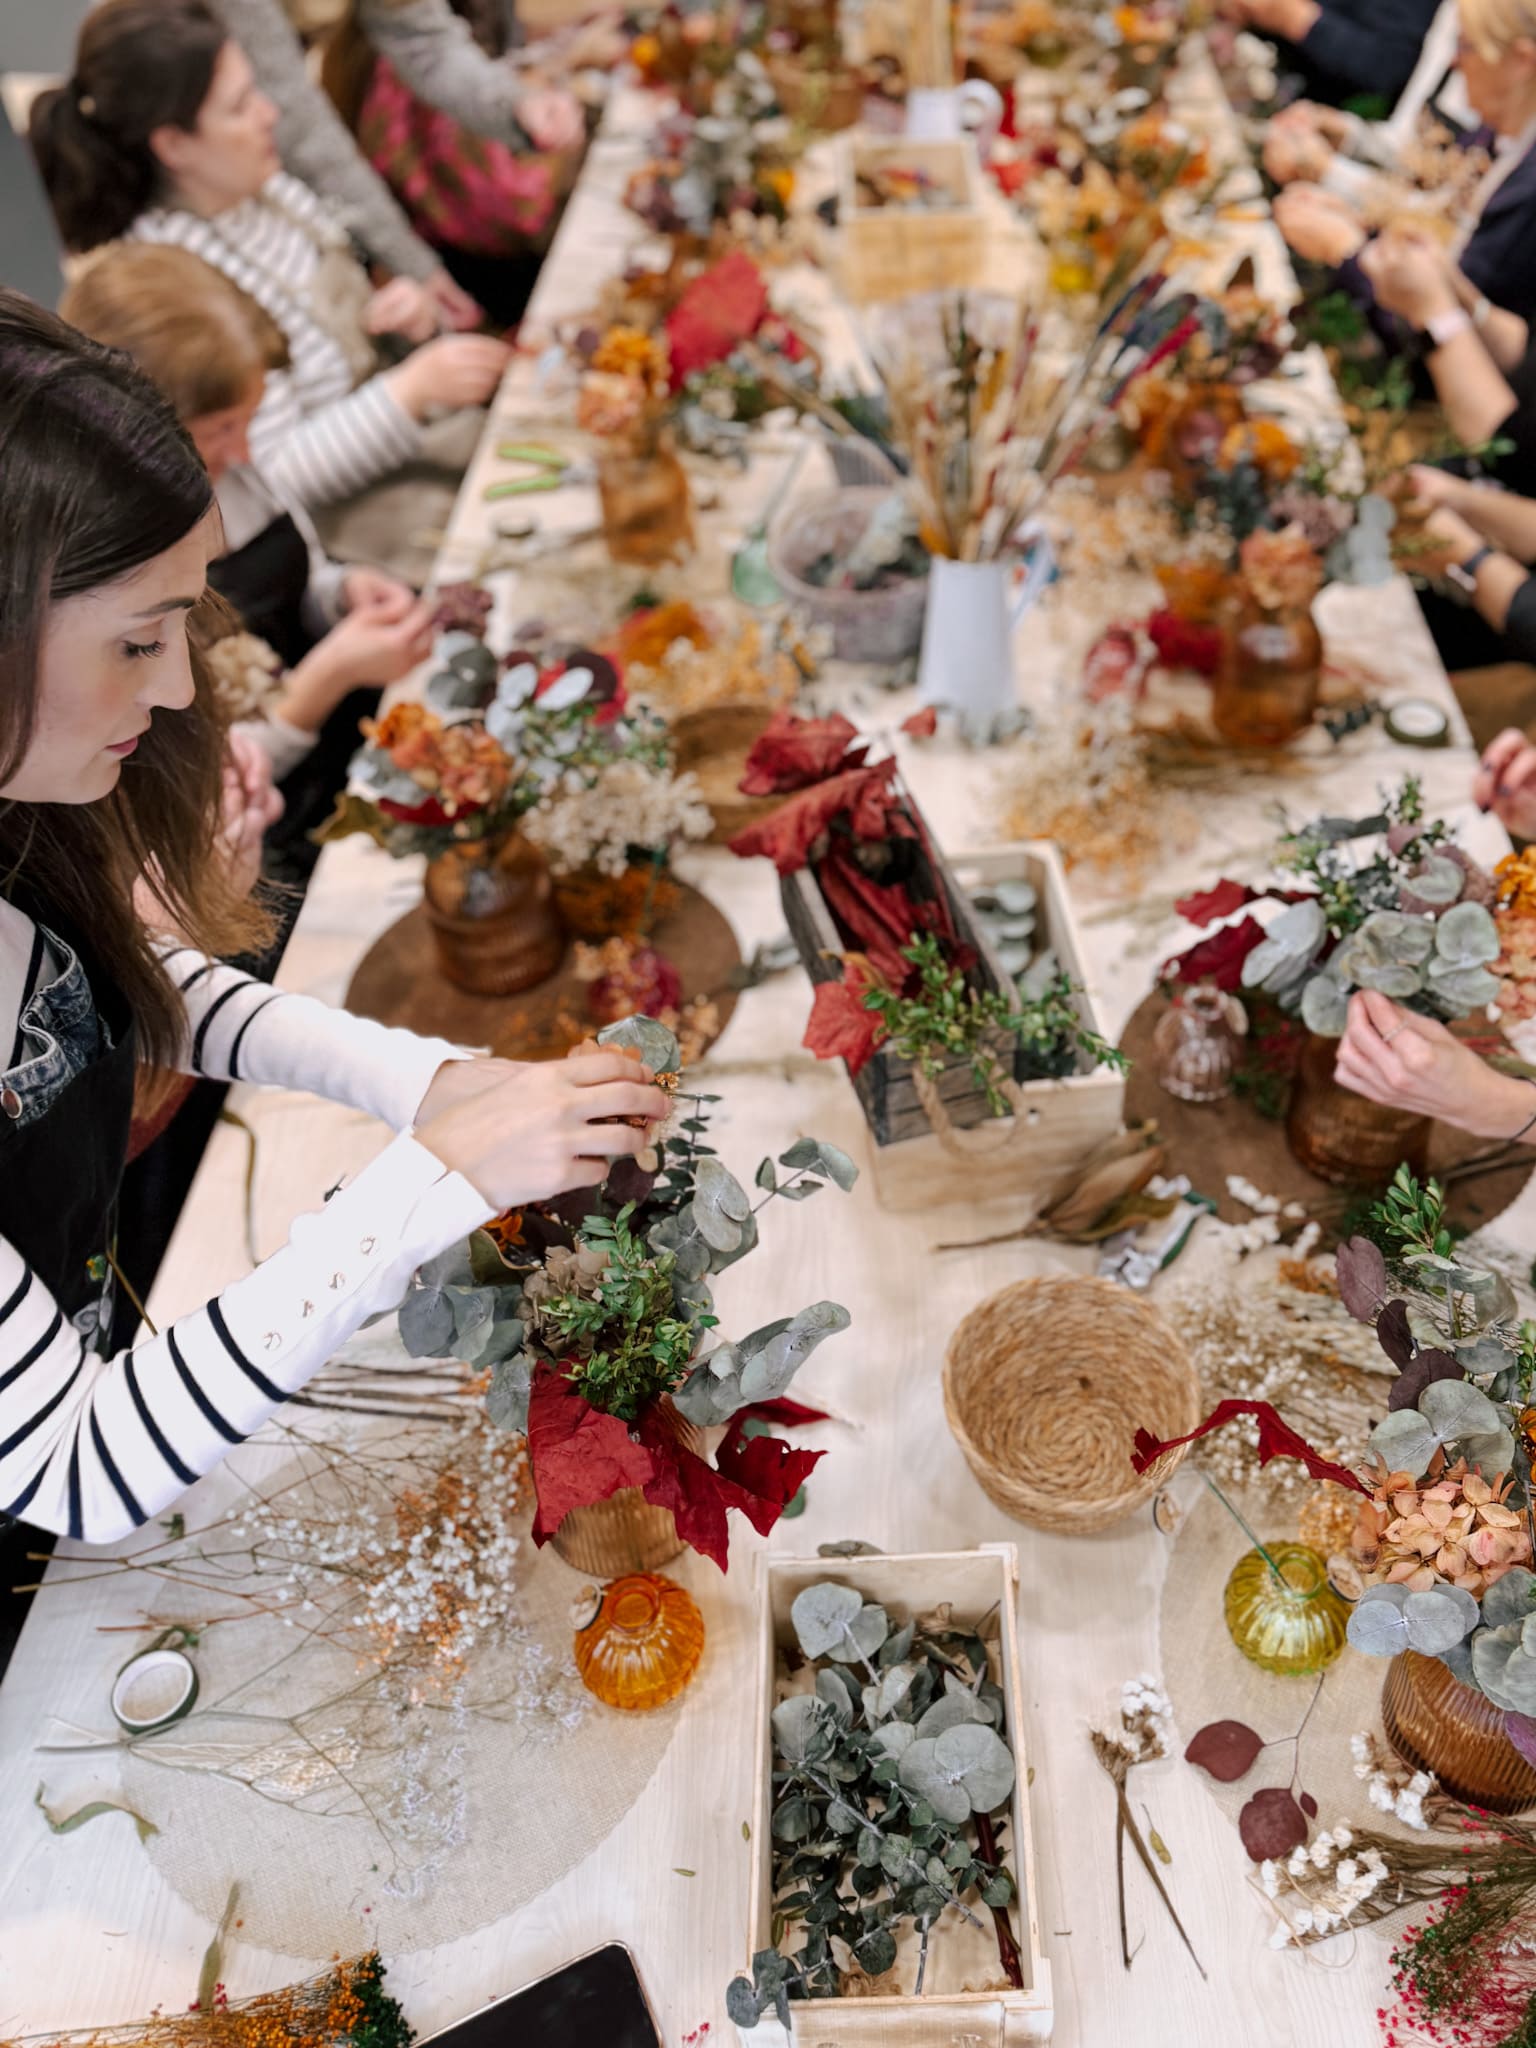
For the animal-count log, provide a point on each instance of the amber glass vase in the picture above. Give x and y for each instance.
(638, 1641)
(1271, 669)
(494, 921)
(647, 511)
(1289, 1620)
(625, 1533)
(1436, 1723)
(1342, 1137)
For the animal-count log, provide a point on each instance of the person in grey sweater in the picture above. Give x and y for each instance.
(316, 148)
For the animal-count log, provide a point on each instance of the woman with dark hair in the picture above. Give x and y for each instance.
(161, 134)
(110, 766)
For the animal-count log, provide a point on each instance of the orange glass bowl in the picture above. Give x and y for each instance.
(638, 1641)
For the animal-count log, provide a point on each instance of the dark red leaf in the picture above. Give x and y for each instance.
(1219, 958)
(1393, 1333)
(1276, 1440)
(768, 1472)
(1226, 1749)
(787, 1413)
(922, 725)
(1185, 643)
(1420, 1372)
(1206, 906)
(1363, 1282)
(795, 752)
(1307, 1804)
(577, 1454)
(788, 833)
(723, 307)
(760, 1476)
(1272, 1825)
(1521, 1730)
(839, 1026)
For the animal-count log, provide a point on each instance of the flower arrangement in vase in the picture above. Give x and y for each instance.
(1388, 903)
(592, 1315)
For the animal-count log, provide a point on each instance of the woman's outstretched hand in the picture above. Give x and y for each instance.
(1394, 1056)
(525, 1131)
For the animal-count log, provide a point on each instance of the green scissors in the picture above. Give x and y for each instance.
(551, 470)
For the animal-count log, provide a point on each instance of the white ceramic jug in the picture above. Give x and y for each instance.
(941, 115)
(967, 659)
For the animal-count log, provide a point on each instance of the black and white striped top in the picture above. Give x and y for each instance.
(92, 1446)
(314, 437)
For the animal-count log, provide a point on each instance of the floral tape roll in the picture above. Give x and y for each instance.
(155, 1688)
(1417, 722)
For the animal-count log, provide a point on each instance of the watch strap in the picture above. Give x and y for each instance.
(1445, 326)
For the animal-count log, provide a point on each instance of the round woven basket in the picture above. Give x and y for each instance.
(1045, 1387)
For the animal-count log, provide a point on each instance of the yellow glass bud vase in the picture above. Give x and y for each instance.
(1287, 1620)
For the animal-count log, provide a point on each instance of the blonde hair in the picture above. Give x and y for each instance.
(190, 330)
(1493, 27)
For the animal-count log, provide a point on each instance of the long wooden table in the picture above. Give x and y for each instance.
(90, 1933)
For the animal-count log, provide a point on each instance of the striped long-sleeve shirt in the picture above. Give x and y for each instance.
(92, 1446)
(314, 437)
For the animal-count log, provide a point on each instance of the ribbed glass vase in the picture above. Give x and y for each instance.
(1289, 1620)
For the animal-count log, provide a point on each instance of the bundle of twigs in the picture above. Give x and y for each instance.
(987, 419)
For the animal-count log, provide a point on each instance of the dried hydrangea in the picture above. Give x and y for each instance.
(1455, 1527)
(247, 674)
(595, 822)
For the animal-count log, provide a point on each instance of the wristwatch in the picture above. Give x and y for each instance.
(1445, 326)
(1462, 576)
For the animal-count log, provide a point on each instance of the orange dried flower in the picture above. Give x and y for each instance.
(1451, 1525)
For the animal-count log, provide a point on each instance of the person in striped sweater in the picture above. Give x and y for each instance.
(110, 765)
(161, 134)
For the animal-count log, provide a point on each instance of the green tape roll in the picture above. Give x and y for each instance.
(155, 1688)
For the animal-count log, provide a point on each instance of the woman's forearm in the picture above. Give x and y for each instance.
(1504, 334)
(1502, 518)
(1471, 388)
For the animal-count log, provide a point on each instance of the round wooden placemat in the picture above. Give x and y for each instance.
(1209, 1140)
(398, 982)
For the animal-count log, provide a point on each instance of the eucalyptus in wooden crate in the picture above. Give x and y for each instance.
(891, 1821)
(919, 1159)
(910, 218)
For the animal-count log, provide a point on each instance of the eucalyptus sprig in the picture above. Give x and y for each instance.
(949, 1018)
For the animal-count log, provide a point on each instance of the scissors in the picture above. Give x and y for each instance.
(550, 470)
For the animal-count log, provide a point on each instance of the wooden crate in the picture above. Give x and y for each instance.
(910, 1166)
(974, 1582)
(888, 251)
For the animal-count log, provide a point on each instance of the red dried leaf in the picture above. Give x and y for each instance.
(1185, 643)
(789, 1414)
(1272, 1825)
(1276, 1440)
(1226, 1749)
(760, 1477)
(839, 1027)
(1307, 1804)
(768, 1472)
(723, 307)
(795, 752)
(1206, 906)
(788, 834)
(577, 1454)
(922, 725)
(1219, 958)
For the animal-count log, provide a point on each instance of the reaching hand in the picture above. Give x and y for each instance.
(370, 590)
(1394, 1056)
(455, 308)
(536, 1130)
(402, 307)
(454, 370)
(553, 121)
(1318, 226)
(1409, 275)
(1505, 783)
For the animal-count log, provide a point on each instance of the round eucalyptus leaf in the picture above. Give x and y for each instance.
(794, 1820)
(1406, 1440)
(1466, 936)
(1456, 1409)
(1438, 1618)
(885, 1697)
(821, 1613)
(506, 1398)
(1396, 936)
(876, 1952)
(1510, 1598)
(1460, 990)
(895, 1738)
(1325, 1006)
(866, 1631)
(656, 1045)
(425, 1322)
(949, 1712)
(801, 1723)
(1377, 1626)
(831, 1690)
(1389, 979)
(1439, 881)
(965, 1769)
(721, 1205)
(741, 2006)
(1504, 1669)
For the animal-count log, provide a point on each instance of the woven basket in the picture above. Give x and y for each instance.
(1045, 1387)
